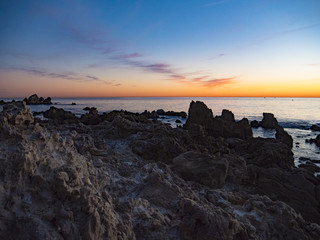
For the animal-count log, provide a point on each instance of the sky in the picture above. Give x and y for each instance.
(218, 48)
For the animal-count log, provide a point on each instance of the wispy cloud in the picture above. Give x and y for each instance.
(215, 3)
(220, 55)
(166, 69)
(217, 82)
(130, 55)
(66, 76)
(93, 78)
(313, 64)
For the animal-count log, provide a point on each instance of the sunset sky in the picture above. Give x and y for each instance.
(76, 48)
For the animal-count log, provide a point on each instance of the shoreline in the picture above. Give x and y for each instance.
(128, 177)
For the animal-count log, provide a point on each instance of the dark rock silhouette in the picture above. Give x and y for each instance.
(315, 128)
(35, 100)
(317, 140)
(269, 121)
(227, 115)
(171, 113)
(200, 114)
(61, 116)
(283, 136)
(255, 124)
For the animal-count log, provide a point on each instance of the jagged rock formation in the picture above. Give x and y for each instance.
(60, 116)
(35, 100)
(270, 122)
(200, 115)
(131, 178)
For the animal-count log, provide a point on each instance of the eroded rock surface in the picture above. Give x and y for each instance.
(129, 178)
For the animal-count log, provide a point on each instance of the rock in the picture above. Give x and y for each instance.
(200, 114)
(284, 137)
(315, 128)
(91, 118)
(293, 188)
(314, 140)
(2, 102)
(150, 115)
(304, 159)
(178, 121)
(37, 113)
(254, 124)
(73, 103)
(242, 129)
(317, 140)
(17, 113)
(35, 100)
(201, 168)
(266, 153)
(196, 130)
(269, 121)
(130, 178)
(227, 115)
(171, 113)
(91, 110)
(160, 112)
(198, 222)
(60, 115)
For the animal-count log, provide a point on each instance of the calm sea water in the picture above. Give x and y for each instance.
(296, 115)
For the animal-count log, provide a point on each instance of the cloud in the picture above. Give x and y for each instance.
(215, 3)
(131, 55)
(217, 82)
(313, 64)
(218, 56)
(67, 76)
(196, 78)
(91, 77)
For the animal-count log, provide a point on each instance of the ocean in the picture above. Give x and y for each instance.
(296, 115)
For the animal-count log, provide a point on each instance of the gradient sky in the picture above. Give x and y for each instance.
(77, 48)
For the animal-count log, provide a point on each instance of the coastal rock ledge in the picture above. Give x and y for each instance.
(125, 177)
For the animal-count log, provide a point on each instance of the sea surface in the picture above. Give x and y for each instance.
(296, 115)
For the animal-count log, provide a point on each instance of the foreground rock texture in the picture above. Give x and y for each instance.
(128, 178)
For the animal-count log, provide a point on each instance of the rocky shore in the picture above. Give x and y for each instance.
(120, 175)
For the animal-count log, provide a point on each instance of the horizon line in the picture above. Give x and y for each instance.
(167, 97)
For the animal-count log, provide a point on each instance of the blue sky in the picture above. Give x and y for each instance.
(127, 48)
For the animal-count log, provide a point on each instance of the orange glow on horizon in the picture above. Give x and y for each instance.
(153, 88)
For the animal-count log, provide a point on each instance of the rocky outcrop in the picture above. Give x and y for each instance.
(35, 100)
(16, 113)
(60, 116)
(317, 140)
(284, 137)
(315, 128)
(203, 168)
(131, 178)
(269, 121)
(227, 115)
(255, 124)
(181, 114)
(200, 114)
(92, 117)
